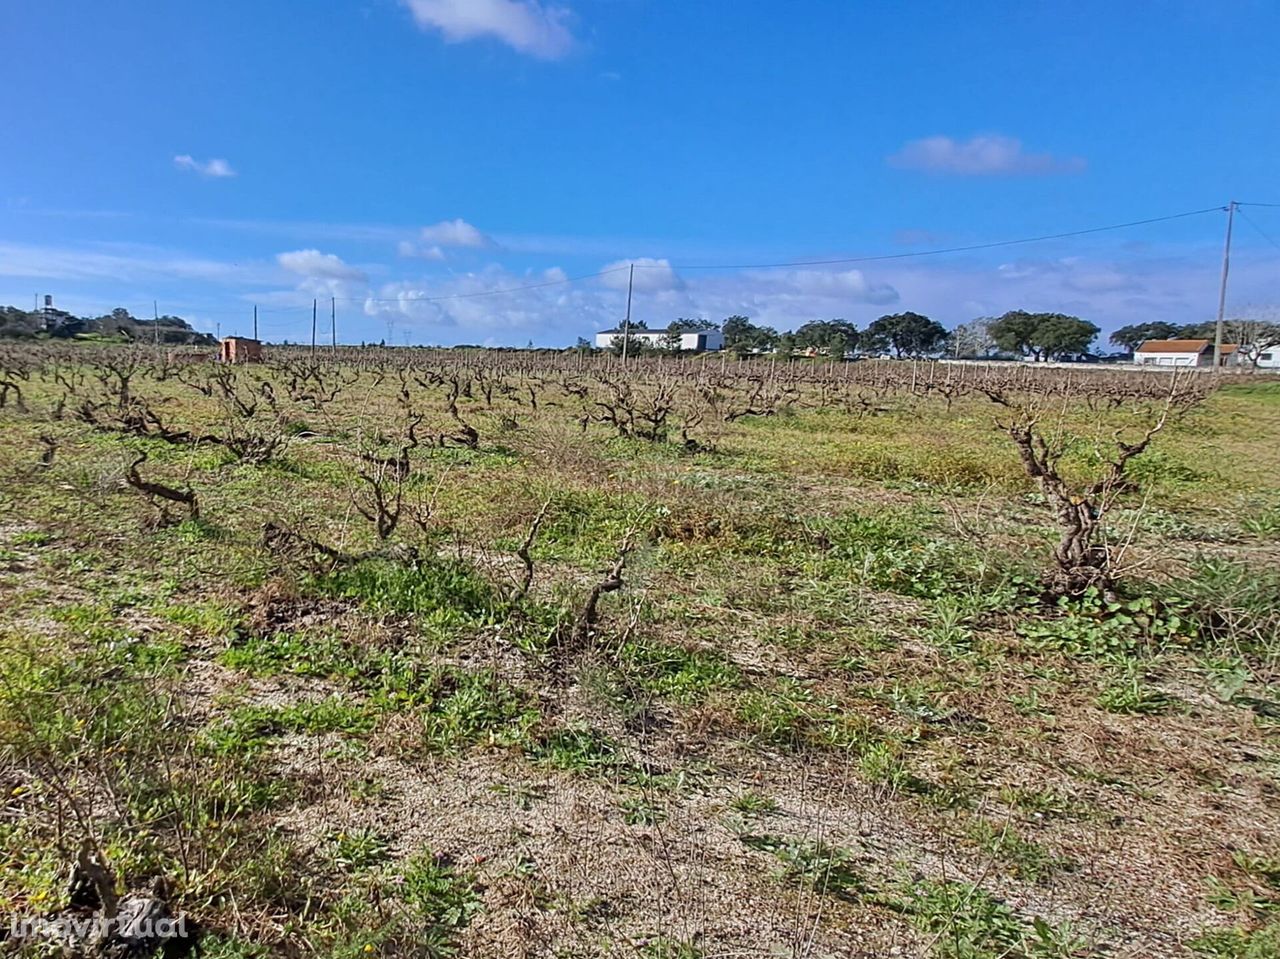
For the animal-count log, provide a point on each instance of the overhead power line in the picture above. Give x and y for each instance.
(938, 252)
(871, 258)
(1261, 232)
(766, 266)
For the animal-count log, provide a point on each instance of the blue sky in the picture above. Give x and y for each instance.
(397, 153)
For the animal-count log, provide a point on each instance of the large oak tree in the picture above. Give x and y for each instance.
(908, 334)
(1043, 336)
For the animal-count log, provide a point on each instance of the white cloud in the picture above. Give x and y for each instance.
(216, 168)
(454, 233)
(1075, 274)
(477, 307)
(651, 275)
(524, 25)
(320, 266)
(848, 285)
(407, 248)
(1112, 287)
(989, 155)
(553, 245)
(474, 307)
(447, 234)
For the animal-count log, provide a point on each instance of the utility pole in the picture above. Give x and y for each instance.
(626, 323)
(1222, 292)
(333, 321)
(313, 328)
(155, 325)
(255, 321)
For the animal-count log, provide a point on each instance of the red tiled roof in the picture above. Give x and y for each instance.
(1183, 346)
(1174, 346)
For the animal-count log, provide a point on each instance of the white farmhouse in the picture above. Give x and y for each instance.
(1182, 353)
(1268, 359)
(702, 341)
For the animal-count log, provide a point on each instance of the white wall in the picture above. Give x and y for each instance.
(714, 339)
(1167, 359)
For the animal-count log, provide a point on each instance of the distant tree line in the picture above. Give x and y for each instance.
(1018, 333)
(1040, 336)
(17, 323)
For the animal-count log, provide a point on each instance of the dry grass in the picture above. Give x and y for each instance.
(827, 714)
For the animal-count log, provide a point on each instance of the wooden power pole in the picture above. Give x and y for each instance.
(1222, 290)
(626, 323)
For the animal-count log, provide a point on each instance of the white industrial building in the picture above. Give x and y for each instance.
(702, 341)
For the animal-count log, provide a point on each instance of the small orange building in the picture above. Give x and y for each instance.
(241, 349)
